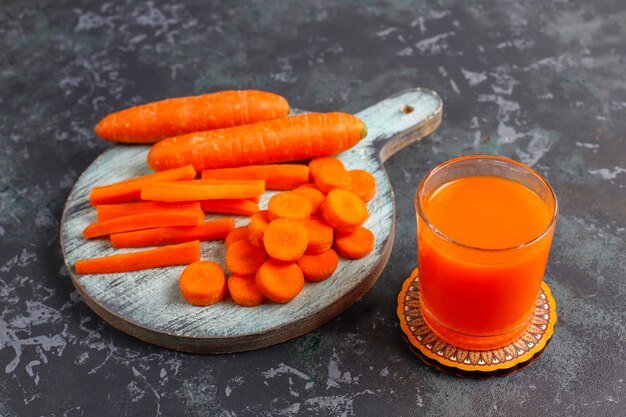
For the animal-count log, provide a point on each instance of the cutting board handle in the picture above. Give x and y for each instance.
(396, 122)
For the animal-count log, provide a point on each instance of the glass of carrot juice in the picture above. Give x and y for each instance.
(484, 226)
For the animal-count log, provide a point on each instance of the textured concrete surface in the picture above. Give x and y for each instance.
(541, 82)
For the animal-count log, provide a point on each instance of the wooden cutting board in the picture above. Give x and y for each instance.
(148, 305)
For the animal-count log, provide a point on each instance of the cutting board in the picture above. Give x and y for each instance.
(148, 305)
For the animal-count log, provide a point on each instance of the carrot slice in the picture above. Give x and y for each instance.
(277, 176)
(256, 228)
(285, 239)
(236, 234)
(243, 258)
(314, 195)
(244, 291)
(203, 283)
(241, 207)
(329, 178)
(362, 184)
(211, 230)
(143, 221)
(344, 210)
(182, 254)
(288, 205)
(320, 236)
(112, 211)
(356, 244)
(317, 164)
(316, 268)
(279, 281)
(201, 190)
(130, 190)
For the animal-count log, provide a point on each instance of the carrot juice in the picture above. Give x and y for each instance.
(485, 226)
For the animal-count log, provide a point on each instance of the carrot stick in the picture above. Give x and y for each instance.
(143, 221)
(288, 205)
(316, 268)
(314, 195)
(243, 258)
(256, 228)
(111, 211)
(130, 190)
(203, 283)
(236, 234)
(362, 183)
(241, 207)
(320, 236)
(200, 190)
(244, 291)
(285, 239)
(344, 210)
(292, 138)
(211, 230)
(356, 244)
(317, 164)
(277, 177)
(279, 281)
(151, 122)
(182, 254)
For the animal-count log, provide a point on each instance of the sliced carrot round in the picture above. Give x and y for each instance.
(244, 291)
(317, 164)
(236, 234)
(288, 205)
(355, 245)
(313, 194)
(320, 236)
(329, 178)
(285, 239)
(362, 184)
(344, 210)
(243, 258)
(279, 281)
(316, 268)
(258, 223)
(203, 283)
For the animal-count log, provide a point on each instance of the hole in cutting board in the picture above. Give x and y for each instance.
(406, 109)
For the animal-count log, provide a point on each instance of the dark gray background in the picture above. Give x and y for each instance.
(542, 82)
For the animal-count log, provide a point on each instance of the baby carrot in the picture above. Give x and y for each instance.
(344, 210)
(182, 254)
(314, 195)
(279, 281)
(143, 221)
(256, 228)
(362, 183)
(236, 234)
(320, 236)
(277, 176)
(316, 268)
(240, 207)
(285, 239)
(130, 190)
(111, 211)
(243, 258)
(148, 123)
(211, 230)
(356, 244)
(288, 205)
(203, 283)
(200, 190)
(292, 138)
(244, 291)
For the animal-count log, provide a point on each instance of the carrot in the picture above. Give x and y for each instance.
(111, 211)
(314, 195)
(130, 190)
(200, 190)
(279, 281)
(316, 268)
(344, 210)
(243, 258)
(277, 177)
(151, 122)
(356, 244)
(256, 228)
(320, 236)
(330, 177)
(292, 138)
(236, 234)
(241, 207)
(244, 291)
(362, 183)
(211, 230)
(285, 239)
(203, 283)
(143, 221)
(182, 254)
(317, 164)
(289, 205)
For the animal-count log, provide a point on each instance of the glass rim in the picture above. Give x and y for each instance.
(420, 210)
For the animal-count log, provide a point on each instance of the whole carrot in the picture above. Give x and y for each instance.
(292, 138)
(151, 122)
